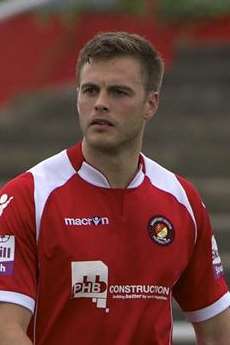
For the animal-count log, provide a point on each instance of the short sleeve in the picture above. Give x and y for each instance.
(202, 291)
(18, 253)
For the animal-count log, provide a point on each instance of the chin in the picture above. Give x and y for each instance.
(102, 144)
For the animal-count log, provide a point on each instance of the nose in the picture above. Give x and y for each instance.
(102, 102)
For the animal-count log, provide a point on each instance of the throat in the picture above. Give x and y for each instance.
(119, 169)
(120, 179)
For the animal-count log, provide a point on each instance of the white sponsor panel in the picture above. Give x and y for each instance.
(7, 248)
(90, 280)
(7, 253)
(216, 260)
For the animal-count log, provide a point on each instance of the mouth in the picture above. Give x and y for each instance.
(101, 123)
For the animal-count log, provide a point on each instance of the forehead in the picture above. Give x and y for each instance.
(123, 70)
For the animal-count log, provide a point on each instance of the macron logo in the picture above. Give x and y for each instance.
(91, 221)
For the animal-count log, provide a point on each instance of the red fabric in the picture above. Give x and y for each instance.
(105, 252)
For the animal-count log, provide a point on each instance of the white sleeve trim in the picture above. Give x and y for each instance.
(17, 298)
(49, 175)
(210, 311)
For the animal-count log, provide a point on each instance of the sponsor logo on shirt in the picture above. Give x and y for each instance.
(216, 260)
(144, 292)
(4, 202)
(90, 221)
(161, 230)
(90, 280)
(7, 252)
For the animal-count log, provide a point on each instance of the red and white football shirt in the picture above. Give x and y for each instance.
(101, 265)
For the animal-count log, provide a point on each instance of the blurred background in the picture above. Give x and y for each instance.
(40, 40)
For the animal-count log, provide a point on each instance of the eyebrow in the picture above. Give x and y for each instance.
(88, 85)
(122, 87)
(112, 86)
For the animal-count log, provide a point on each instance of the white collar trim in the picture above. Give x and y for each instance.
(91, 175)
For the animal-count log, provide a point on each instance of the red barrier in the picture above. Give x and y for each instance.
(38, 52)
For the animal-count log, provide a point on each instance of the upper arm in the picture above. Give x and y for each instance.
(13, 314)
(201, 290)
(214, 331)
(14, 321)
(18, 257)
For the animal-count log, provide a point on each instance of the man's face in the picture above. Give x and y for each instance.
(112, 103)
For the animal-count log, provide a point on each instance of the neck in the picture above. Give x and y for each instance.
(118, 167)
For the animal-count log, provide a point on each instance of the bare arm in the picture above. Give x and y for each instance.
(14, 321)
(215, 331)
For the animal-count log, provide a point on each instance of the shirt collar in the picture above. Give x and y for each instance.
(93, 176)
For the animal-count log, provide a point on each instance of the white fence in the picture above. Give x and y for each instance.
(13, 8)
(183, 333)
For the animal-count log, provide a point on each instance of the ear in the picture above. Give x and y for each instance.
(77, 96)
(152, 103)
(77, 93)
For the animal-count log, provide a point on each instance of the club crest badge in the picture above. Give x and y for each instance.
(161, 230)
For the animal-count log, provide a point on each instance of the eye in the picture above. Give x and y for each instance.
(119, 92)
(89, 90)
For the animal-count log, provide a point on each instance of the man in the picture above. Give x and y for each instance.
(96, 240)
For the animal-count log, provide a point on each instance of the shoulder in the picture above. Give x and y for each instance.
(59, 167)
(169, 181)
(53, 170)
(179, 187)
(21, 185)
(24, 182)
(17, 203)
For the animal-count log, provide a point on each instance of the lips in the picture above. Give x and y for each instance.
(101, 122)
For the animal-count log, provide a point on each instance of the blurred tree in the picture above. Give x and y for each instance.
(183, 10)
